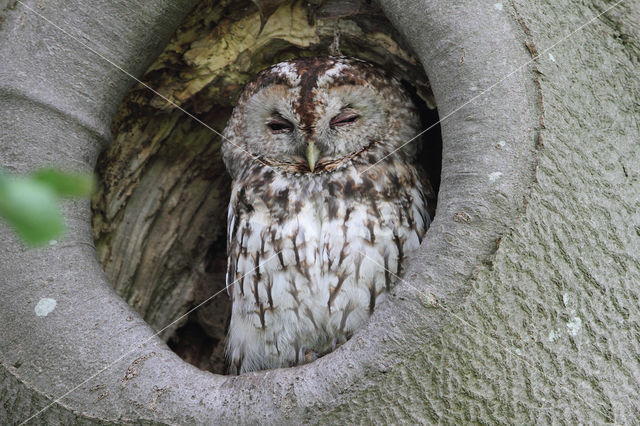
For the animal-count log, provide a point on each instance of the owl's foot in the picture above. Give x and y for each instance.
(309, 355)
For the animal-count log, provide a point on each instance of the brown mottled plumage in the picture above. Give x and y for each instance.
(321, 201)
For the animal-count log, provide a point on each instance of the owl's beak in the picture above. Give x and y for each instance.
(312, 154)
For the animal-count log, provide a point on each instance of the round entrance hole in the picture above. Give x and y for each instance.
(488, 158)
(159, 216)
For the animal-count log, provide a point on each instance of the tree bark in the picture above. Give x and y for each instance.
(520, 306)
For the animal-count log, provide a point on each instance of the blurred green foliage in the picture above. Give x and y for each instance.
(31, 204)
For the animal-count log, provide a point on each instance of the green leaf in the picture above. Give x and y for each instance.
(31, 208)
(66, 184)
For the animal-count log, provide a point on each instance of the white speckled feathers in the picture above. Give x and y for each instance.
(312, 250)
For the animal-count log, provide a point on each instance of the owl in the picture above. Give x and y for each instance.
(327, 203)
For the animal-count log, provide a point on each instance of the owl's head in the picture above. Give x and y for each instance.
(315, 115)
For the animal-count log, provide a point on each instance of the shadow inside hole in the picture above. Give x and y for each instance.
(160, 212)
(430, 154)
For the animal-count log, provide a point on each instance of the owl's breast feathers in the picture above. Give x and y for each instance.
(310, 256)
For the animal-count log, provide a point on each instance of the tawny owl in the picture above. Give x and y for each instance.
(326, 205)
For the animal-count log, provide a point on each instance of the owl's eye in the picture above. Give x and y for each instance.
(344, 118)
(278, 124)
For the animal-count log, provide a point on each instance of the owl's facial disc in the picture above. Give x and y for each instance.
(348, 120)
(315, 115)
(323, 127)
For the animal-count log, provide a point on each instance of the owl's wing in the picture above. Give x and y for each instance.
(427, 191)
(233, 248)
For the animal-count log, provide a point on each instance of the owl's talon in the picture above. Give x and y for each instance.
(337, 342)
(309, 355)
